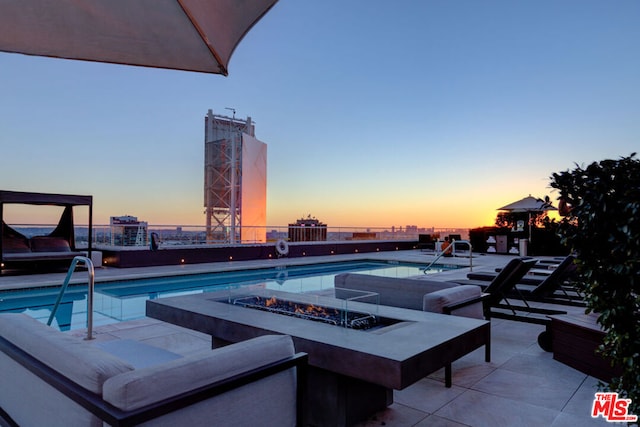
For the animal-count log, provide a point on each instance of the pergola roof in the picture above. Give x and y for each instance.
(44, 198)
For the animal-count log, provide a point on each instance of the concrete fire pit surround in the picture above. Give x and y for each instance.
(352, 372)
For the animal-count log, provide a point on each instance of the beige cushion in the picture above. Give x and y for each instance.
(49, 244)
(141, 387)
(435, 301)
(138, 354)
(72, 357)
(395, 292)
(32, 402)
(15, 245)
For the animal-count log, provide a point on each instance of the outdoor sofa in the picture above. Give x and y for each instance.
(37, 248)
(52, 378)
(415, 292)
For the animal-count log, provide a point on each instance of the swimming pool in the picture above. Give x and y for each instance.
(122, 300)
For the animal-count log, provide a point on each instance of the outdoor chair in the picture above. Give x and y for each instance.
(426, 242)
(502, 287)
(549, 288)
(55, 379)
(540, 270)
(555, 288)
(508, 276)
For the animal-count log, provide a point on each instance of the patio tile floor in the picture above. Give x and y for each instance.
(521, 386)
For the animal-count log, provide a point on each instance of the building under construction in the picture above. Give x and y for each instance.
(128, 231)
(307, 230)
(235, 180)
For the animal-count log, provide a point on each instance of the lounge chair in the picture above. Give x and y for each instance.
(540, 270)
(549, 288)
(501, 288)
(508, 276)
(554, 288)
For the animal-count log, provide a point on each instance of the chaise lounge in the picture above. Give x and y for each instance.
(502, 287)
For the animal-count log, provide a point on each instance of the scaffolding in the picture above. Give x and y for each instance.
(223, 176)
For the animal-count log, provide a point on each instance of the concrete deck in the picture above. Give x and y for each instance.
(523, 385)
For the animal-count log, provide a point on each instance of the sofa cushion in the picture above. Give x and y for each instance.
(395, 292)
(49, 244)
(30, 401)
(138, 354)
(76, 359)
(436, 301)
(135, 389)
(15, 245)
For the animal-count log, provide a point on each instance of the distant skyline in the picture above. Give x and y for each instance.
(380, 114)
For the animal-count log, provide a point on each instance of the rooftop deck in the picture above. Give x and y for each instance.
(523, 385)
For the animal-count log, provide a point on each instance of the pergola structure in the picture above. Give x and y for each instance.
(15, 247)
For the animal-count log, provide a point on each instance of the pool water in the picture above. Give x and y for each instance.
(123, 300)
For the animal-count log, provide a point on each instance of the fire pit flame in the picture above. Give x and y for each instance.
(332, 316)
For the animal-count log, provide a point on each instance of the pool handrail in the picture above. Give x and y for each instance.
(91, 285)
(441, 254)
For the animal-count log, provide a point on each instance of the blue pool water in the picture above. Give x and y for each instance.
(123, 300)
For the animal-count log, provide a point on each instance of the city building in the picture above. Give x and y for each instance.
(307, 230)
(235, 181)
(128, 231)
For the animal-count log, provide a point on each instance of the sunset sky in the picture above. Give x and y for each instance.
(375, 113)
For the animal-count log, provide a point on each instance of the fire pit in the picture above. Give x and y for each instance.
(318, 313)
(352, 373)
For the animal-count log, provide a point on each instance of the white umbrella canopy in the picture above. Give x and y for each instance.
(529, 204)
(191, 35)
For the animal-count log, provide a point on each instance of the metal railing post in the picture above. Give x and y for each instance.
(466, 242)
(91, 286)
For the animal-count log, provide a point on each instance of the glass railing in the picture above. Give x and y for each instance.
(189, 235)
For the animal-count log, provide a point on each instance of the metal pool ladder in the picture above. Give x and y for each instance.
(90, 270)
(453, 242)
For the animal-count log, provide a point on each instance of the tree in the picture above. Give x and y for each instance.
(510, 219)
(603, 229)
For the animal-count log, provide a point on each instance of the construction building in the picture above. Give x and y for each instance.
(128, 231)
(235, 181)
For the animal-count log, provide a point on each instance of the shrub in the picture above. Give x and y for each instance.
(603, 228)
